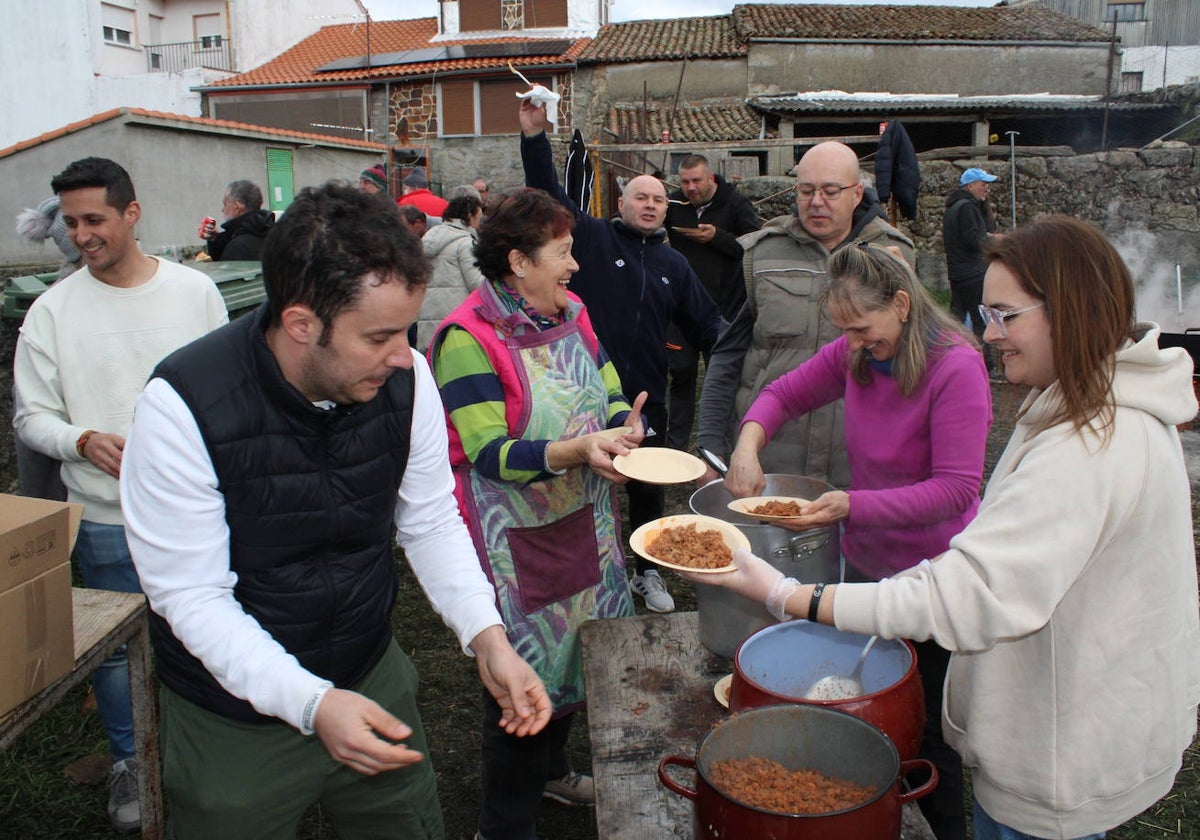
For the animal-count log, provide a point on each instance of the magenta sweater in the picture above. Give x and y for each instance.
(916, 463)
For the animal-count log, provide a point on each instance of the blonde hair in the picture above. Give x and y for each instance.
(863, 279)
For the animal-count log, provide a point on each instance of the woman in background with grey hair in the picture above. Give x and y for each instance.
(450, 248)
(38, 474)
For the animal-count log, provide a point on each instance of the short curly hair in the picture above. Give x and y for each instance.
(522, 220)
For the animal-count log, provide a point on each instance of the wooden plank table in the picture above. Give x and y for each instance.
(650, 694)
(103, 622)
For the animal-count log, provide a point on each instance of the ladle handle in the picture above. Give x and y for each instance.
(713, 460)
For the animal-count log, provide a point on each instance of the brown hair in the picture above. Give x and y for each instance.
(866, 279)
(1089, 297)
(523, 219)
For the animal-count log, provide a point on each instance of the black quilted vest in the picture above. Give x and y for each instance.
(309, 498)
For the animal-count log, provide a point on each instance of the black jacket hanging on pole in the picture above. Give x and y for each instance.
(896, 169)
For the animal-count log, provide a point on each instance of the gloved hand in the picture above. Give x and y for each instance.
(759, 581)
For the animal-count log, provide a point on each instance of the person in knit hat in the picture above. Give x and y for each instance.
(46, 222)
(373, 180)
(416, 192)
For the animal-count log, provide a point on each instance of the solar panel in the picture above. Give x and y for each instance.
(451, 52)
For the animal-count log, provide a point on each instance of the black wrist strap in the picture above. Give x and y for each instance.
(815, 602)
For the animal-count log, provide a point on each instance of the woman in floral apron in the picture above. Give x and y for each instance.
(529, 394)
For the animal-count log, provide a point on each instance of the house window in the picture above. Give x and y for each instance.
(486, 106)
(1131, 82)
(544, 13)
(478, 15)
(117, 24)
(1124, 12)
(208, 31)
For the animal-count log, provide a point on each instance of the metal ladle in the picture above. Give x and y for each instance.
(838, 687)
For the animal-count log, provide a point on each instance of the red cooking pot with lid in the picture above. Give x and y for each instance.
(780, 663)
(800, 737)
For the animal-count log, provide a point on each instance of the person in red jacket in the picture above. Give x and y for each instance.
(416, 192)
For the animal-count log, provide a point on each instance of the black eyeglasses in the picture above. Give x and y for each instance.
(997, 317)
(805, 192)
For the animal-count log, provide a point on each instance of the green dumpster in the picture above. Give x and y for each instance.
(239, 282)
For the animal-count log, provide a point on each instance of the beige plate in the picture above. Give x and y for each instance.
(613, 434)
(732, 536)
(659, 465)
(743, 506)
(722, 688)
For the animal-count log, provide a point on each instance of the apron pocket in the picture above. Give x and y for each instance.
(554, 561)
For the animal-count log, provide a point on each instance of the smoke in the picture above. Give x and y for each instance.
(1157, 282)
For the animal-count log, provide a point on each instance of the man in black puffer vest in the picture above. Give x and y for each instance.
(266, 468)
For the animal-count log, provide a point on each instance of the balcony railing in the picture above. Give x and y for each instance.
(210, 52)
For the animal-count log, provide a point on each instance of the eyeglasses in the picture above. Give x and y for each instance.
(997, 317)
(805, 192)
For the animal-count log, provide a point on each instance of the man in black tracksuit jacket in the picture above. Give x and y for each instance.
(704, 218)
(633, 284)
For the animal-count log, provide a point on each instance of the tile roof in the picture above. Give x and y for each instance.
(702, 120)
(182, 121)
(664, 40)
(836, 102)
(1030, 22)
(299, 64)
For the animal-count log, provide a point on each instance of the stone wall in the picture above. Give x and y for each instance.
(1146, 200)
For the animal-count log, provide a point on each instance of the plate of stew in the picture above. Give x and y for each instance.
(768, 508)
(689, 543)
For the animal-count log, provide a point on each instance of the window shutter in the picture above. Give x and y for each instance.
(544, 13)
(458, 107)
(478, 15)
(498, 103)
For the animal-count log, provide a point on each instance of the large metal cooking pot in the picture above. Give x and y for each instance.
(813, 556)
(799, 737)
(780, 663)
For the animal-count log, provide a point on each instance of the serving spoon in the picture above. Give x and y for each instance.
(839, 687)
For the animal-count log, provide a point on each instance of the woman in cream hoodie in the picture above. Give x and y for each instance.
(1070, 602)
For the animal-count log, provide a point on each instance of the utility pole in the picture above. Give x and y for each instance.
(1012, 174)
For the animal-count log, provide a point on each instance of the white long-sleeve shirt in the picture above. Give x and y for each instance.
(175, 524)
(83, 356)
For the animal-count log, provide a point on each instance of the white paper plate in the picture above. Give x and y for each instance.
(729, 533)
(659, 465)
(722, 688)
(744, 506)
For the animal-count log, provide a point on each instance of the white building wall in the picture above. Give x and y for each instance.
(262, 29)
(1162, 66)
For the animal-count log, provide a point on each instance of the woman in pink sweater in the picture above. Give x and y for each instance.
(917, 414)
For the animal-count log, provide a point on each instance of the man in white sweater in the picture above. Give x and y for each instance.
(84, 352)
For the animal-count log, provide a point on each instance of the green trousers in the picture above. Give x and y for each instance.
(235, 780)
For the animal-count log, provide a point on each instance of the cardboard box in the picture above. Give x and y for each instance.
(36, 621)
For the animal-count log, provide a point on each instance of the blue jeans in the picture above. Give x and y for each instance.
(104, 563)
(986, 828)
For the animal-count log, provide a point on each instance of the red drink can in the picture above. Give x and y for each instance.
(207, 225)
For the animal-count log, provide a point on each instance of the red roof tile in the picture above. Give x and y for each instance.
(665, 40)
(1031, 22)
(299, 64)
(200, 122)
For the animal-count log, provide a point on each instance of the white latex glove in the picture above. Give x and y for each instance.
(754, 578)
(540, 95)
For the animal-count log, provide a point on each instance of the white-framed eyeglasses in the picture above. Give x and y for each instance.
(997, 317)
(805, 192)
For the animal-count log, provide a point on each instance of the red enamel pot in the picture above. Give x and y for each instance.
(779, 663)
(807, 737)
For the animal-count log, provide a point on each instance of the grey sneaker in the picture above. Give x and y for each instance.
(651, 587)
(572, 789)
(124, 808)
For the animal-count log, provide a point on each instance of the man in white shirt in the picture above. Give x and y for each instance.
(266, 469)
(85, 349)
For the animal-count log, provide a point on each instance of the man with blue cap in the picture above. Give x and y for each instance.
(966, 226)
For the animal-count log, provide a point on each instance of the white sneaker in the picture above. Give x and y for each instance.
(572, 789)
(124, 808)
(651, 587)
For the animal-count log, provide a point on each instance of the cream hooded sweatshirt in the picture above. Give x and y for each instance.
(1070, 603)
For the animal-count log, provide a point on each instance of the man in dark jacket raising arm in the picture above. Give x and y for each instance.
(633, 284)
